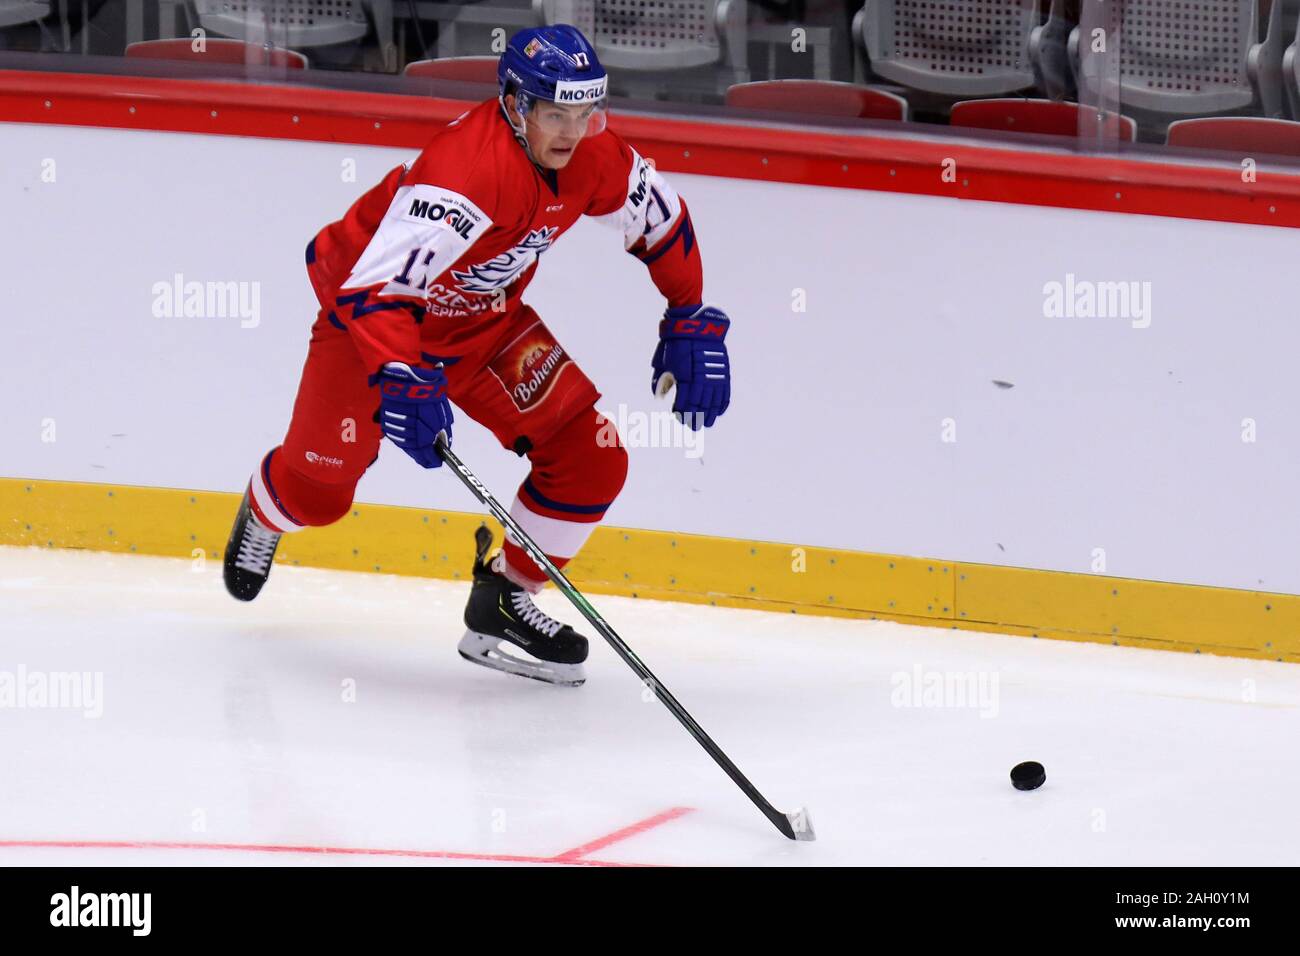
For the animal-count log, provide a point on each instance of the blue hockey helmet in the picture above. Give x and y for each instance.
(555, 64)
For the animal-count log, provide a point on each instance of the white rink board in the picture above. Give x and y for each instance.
(1113, 437)
(223, 727)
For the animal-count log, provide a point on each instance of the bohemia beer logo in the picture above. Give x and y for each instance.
(529, 366)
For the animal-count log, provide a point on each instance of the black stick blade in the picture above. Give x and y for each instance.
(801, 827)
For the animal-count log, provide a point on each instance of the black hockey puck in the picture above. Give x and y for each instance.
(1029, 775)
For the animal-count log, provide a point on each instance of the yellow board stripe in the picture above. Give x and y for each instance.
(726, 572)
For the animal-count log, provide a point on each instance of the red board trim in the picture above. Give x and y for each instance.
(809, 156)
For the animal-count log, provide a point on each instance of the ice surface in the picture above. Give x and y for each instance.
(227, 735)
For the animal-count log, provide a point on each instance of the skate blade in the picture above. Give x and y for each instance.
(491, 652)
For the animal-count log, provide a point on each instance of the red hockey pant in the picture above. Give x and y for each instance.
(523, 386)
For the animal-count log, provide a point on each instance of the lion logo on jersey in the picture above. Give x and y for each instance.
(501, 270)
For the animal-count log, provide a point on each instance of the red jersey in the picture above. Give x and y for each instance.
(433, 258)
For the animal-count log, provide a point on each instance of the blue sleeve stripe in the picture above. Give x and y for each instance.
(361, 307)
(684, 231)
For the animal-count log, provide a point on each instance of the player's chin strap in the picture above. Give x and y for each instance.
(520, 131)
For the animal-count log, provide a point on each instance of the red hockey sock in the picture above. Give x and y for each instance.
(285, 500)
(576, 476)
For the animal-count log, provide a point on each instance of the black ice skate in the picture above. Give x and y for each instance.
(500, 612)
(248, 554)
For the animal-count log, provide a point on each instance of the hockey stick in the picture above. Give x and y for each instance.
(796, 825)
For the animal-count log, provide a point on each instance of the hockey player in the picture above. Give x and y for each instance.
(420, 287)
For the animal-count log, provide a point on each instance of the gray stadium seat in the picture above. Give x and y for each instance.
(1179, 59)
(1291, 74)
(16, 12)
(299, 23)
(470, 29)
(971, 48)
(650, 35)
(1049, 53)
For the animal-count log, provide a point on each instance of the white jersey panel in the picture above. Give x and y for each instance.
(425, 230)
(652, 207)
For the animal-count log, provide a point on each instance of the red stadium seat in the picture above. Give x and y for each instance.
(466, 69)
(1253, 134)
(217, 51)
(821, 97)
(1048, 117)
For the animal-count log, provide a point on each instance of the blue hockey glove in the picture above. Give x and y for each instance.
(414, 410)
(692, 357)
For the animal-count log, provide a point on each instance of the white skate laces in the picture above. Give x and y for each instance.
(256, 547)
(534, 616)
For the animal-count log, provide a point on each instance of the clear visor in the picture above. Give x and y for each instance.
(573, 119)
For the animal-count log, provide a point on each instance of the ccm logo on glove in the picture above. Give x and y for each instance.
(414, 411)
(709, 327)
(692, 359)
(416, 392)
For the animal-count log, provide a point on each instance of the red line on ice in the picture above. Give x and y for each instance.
(578, 856)
(659, 819)
(563, 859)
